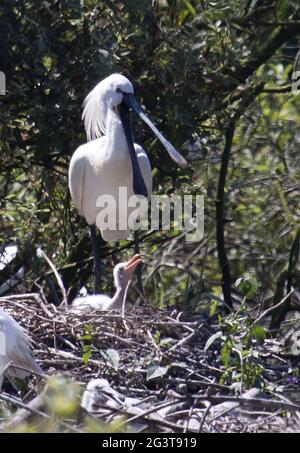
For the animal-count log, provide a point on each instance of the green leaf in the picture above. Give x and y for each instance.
(213, 308)
(247, 285)
(86, 337)
(182, 365)
(154, 371)
(167, 342)
(112, 357)
(87, 354)
(212, 339)
(259, 333)
(225, 355)
(189, 7)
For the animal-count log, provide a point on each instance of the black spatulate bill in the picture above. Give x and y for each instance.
(139, 186)
(131, 102)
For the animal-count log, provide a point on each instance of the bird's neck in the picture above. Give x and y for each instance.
(116, 144)
(119, 298)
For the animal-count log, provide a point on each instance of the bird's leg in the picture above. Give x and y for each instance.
(97, 259)
(139, 267)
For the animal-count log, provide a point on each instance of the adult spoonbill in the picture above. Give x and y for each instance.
(110, 161)
(122, 277)
(15, 349)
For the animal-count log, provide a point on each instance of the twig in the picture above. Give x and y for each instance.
(204, 417)
(42, 254)
(153, 409)
(248, 401)
(17, 402)
(182, 342)
(271, 309)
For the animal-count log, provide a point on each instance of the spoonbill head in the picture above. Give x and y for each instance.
(123, 273)
(116, 90)
(106, 95)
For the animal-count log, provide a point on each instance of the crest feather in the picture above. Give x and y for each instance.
(93, 114)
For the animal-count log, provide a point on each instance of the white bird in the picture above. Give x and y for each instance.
(110, 161)
(15, 349)
(101, 400)
(123, 273)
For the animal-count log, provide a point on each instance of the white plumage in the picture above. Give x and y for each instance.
(101, 400)
(101, 166)
(123, 273)
(110, 177)
(15, 349)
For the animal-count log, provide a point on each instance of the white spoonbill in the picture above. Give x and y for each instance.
(123, 273)
(110, 161)
(15, 349)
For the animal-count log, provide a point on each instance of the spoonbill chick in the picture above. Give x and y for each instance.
(15, 349)
(123, 273)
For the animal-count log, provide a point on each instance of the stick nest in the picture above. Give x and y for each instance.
(157, 356)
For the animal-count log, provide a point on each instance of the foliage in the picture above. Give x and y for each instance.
(193, 63)
(239, 341)
(198, 68)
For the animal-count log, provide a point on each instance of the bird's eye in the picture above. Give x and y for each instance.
(118, 90)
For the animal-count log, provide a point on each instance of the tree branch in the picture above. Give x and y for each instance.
(220, 221)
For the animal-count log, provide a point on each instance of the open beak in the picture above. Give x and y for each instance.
(139, 186)
(132, 103)
(131, 265)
